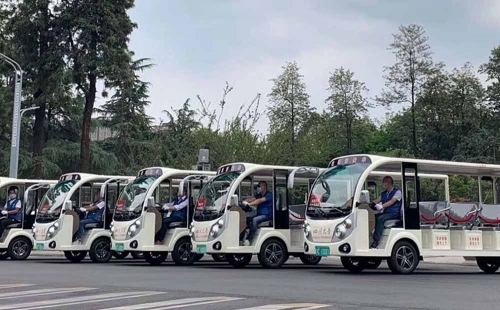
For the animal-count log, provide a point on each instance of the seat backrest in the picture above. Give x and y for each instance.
(427, 210)
(490, 212)
(460, 212)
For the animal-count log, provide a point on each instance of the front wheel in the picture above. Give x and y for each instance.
(239, 260)
(273, 254)
(182, 254)
(404, 258)
(19, 248)
(120, 255)
(100, 250)
(75, 256)
(353, 264)
(488, 266)
(310, 260)
(155, 258)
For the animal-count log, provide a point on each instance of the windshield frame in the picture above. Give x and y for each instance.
(44, 217)
(119, 214)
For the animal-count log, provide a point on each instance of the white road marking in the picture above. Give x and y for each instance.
(14, 285)
(298, 306)
(75, 300)
(175, 303)
(42, 292)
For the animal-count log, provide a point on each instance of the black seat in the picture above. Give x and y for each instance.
(15, 225)
(94, 225)
(393, 224)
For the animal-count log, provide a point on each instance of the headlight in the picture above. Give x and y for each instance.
(52, 229)
(221, 222)
(56, 225)
(340, 231)
(343, 229)
(112, 228)
(348, 223)
(138, 223)
(133, 228)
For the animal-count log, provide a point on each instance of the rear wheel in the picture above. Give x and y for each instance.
(310, 260)
(273, 254)
(182, 254)
(100, 250)
(155, 258)
(404, 258)
(137, 255)
(75, 256)
(353, 264)
(19, 248)
(488, 265)
(239, 260)
(219, 257)
(120, 255)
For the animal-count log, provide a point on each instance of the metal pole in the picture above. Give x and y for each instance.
(18, 87)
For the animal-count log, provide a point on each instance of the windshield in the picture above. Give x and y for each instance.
(333, 190)
(52, 202)
(129, 204)
(212, 200)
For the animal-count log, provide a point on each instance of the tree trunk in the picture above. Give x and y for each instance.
(39, 140)
(87, 123)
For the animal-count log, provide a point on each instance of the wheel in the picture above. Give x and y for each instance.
(100, 250)
(155, 258)
(404, 258)
(120, 255)
(4, 254)
(75, 256)
(198, 257)
(488, 266)
(353, 264)
(182, 254)
(239, 260)
(372, 263)
(137, 255)
(273, 253)
(310, 260)
(19, 248)
(219, 257)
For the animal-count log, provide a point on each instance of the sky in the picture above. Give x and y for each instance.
(196, 46)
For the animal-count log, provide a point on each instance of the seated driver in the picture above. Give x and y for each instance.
(94, 215)
(389, 206)
(178, 208)
(11, 211)
(263, 200)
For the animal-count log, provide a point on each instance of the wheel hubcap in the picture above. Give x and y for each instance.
(185, 251)
(102, 250)
(273, 253)
(20, 248)
(405, 257)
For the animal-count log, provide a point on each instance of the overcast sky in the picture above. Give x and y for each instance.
(197, 46)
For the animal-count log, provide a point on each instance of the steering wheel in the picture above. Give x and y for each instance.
(245, 208)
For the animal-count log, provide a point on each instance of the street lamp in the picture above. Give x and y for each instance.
(18, 87)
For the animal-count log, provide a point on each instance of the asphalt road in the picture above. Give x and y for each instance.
(54, 283)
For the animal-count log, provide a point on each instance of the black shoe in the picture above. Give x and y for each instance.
(374, 245)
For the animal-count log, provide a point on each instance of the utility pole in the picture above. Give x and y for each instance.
(16, 115)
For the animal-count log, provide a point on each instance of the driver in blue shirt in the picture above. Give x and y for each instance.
(263, 200)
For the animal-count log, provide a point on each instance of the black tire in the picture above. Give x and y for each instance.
(120, 255)
(100, 250)
(75, 256)
(353, 264)
(372, 263)
(239, 260)
(137, 255)
(488, 265)
(182, 253)
(198, 257)
(19, 248)
(310, 260)
(404, 258)
(219, 257)
(4, 254)
(273, 253)
(155, 258)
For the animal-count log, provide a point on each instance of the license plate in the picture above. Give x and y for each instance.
(39, 246)
(322, 251)
(201, 249)
(119, 247)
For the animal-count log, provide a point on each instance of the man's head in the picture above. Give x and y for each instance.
(13, 192)
(387, 183)
(98, 196)
(262, 187)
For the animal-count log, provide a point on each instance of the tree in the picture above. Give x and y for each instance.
(289, 107)
(97, 34)
(404, 79)
(492, 70)
(347, 100)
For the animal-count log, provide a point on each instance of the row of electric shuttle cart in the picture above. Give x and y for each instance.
(317, 212)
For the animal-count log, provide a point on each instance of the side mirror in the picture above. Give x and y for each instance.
(68, 205)
(364, 197)
(151, 202)
(234, 200)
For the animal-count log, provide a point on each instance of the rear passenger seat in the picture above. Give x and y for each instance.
(489, 217)
(461, 215)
